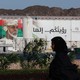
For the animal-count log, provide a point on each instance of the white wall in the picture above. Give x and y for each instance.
(47, 25)
(45, 28)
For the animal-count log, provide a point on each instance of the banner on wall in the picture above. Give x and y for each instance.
(3, 27)
(11, 34)
(51, 28)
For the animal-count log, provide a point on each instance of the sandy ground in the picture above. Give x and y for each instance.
(77, 62)
(15, 66)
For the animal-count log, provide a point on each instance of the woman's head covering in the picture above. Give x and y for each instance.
(59, 44)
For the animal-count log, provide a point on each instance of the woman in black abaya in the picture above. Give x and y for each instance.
(61, 67)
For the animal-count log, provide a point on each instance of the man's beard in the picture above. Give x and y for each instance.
(14, 34)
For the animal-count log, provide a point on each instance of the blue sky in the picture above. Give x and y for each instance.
(21, 4)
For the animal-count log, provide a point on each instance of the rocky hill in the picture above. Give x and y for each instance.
(42, 11)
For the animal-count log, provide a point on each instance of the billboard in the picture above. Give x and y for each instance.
(48, 28)
(4, 27)
(51, 28)
(11, 35)
(29, 28)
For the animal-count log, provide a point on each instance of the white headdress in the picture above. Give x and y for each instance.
(10, 22)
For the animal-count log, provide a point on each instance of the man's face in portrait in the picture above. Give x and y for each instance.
(12, 30)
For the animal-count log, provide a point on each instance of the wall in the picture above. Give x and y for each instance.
(47, 28)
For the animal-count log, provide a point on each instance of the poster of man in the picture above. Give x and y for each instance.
(11, 33)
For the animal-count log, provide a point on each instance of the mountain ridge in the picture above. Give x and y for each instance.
(38, 10)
